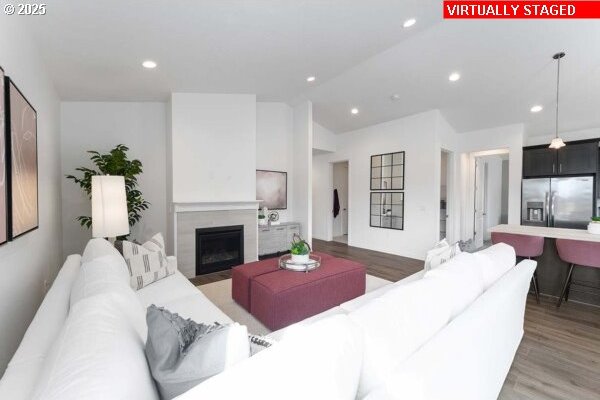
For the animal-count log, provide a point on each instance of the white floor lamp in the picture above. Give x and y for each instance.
(109, 207)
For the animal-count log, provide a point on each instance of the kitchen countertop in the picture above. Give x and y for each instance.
(552, 271)
(548, 232)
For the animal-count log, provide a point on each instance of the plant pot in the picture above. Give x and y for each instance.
(262, 221)
(300, 258)
(594, 228)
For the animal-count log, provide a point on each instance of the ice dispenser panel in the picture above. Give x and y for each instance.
(535, 211)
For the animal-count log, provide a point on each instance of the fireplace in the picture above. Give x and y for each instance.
(218, 249)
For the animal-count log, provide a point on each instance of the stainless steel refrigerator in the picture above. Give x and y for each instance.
(558, 202)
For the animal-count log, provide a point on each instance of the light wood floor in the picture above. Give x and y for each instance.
(559, 357)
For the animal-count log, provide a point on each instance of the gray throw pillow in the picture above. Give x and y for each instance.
(182, 353)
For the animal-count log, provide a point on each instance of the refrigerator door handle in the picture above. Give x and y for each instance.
(552, 207)
(547, 209)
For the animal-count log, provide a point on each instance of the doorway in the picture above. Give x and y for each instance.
(445, 169)
(340, 187)
(490, 195)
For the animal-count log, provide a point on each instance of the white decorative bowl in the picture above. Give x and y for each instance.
(594, 228)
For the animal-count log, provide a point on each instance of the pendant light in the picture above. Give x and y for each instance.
(557, 142)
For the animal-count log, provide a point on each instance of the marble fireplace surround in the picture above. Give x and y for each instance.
(190, 216)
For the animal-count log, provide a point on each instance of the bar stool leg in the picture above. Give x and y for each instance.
(568, 289)
(536, 290)
(566, 285)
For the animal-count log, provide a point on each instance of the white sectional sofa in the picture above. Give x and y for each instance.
(450, 333)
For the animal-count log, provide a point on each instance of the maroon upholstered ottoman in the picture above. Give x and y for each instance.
(281, 298)
(243, 274)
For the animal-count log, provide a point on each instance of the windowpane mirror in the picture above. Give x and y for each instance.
(387, 210)
(387, 171)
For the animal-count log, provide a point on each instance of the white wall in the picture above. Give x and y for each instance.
(302, 171)
(101, 126)
(274, 146)
(583, 134)
(211, 138)
(416, 135)
(29, 261)
(323, 138)
(322, 185)
(509, 138)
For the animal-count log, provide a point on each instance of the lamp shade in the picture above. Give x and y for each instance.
(557, 143)
(109, 206)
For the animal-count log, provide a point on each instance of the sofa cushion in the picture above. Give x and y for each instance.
(397, 324)
(495, 261)
(470, 358)
(98, 355)
(177, 294)
(106, 275)
(171, 288)
(182, 353)
(98, 247)
(360, 301)
(463, 277)
(23, 369)
(147, 263)
(317, 361)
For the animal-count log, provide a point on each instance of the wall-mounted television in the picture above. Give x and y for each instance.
(271, 188)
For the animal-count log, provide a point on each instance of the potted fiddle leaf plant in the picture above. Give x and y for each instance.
(115, 162)
(594, 226)
(300, 250)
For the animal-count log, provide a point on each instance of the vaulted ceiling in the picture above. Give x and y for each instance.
(358, 50)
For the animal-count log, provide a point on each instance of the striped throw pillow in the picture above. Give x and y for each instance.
(147, 263)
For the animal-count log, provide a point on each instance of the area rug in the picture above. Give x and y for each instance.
(220, 294)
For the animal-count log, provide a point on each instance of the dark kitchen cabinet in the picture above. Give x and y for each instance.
(539, 162)
(576, 158)
(579, 158)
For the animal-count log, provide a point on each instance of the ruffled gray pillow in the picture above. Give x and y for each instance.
(182, 353)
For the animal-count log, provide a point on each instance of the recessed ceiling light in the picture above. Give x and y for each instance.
(536, 109)
(310, 79)
(454, 77)
(395, 97)
(354, 111)
(409, 22)
(149, 64)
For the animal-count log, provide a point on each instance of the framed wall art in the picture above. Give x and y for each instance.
(22, 161)
(271, 188)
(387, 171)
(3, 169)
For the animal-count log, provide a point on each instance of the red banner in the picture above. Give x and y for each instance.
(521, 9)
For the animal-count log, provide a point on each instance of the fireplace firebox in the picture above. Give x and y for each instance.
(218, 249)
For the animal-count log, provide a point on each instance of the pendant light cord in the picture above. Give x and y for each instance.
(557, 92)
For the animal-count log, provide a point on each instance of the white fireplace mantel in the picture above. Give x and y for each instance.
(216, 206)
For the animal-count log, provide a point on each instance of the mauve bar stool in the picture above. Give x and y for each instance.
(525, 246)
(576, 252)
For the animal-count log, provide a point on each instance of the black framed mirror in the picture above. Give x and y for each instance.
(387, 171)
(387, 210)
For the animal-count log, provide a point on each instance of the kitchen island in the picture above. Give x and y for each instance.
(552, 271)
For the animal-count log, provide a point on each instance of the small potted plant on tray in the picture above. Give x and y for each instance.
(300, 250)
(594, 226)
